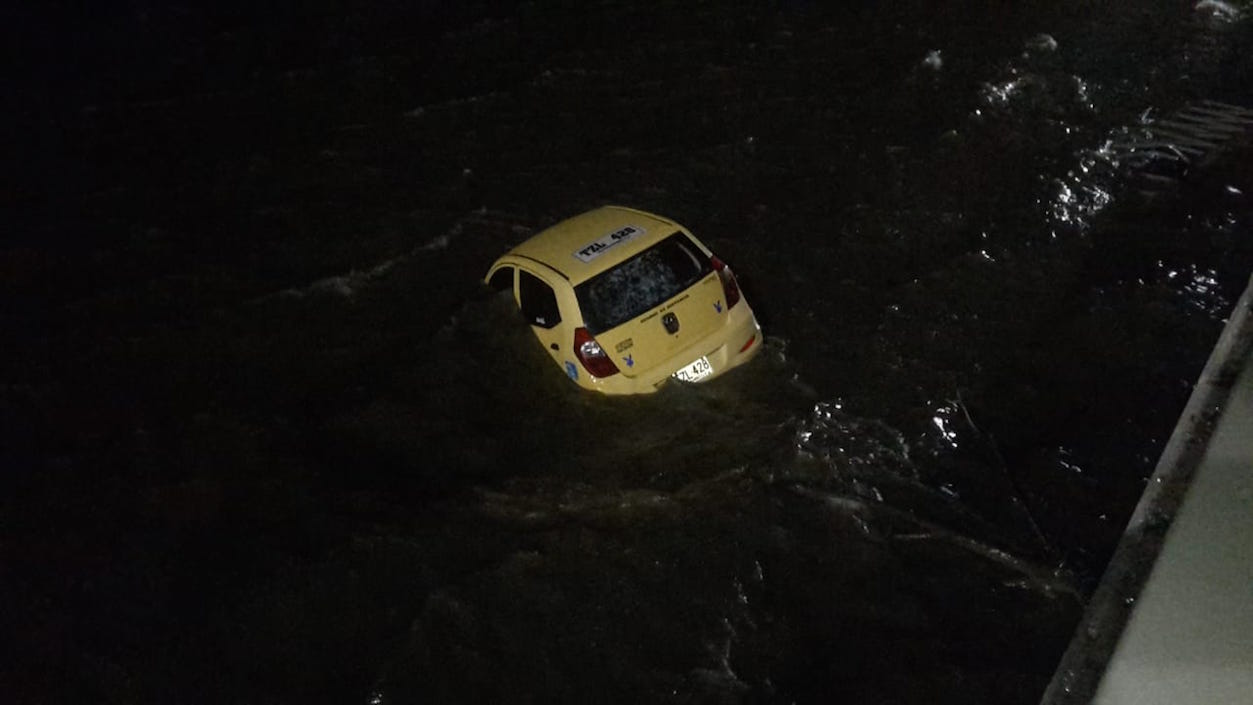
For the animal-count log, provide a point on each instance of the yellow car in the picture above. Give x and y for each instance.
(625, 300)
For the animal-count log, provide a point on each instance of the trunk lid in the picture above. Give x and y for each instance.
(662, 331)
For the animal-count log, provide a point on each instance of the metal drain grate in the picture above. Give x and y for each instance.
(1162, 151)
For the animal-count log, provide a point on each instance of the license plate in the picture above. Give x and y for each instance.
(698, 370)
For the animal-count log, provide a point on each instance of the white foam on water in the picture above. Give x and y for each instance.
(1041, 42)
(1218, 11)
(1078, 199)
(420, 111)
(1153, 145)
(343, 285)
(350, 284)
(887, 522)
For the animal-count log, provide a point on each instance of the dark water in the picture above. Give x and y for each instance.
(265, 437)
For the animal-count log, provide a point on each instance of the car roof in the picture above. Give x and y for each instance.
(556, 246)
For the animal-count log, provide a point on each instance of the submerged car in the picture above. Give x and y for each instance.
(624, 301)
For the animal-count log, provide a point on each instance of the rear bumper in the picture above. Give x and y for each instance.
(725, 350)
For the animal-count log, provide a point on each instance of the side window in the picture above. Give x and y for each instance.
(502, 280)
(539, 303)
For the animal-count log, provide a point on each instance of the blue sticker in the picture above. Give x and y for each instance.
(630, 361)
(718, 305)
(571, 371)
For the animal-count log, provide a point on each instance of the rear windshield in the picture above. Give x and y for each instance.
(640, 283)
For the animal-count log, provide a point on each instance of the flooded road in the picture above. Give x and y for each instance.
(265, 435)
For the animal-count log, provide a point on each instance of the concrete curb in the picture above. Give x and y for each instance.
(1086, 659)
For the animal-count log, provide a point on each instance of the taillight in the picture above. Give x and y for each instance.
(730, 288)
(593, 357)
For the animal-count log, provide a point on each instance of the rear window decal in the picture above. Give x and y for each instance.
(649, 280)
(594, 249)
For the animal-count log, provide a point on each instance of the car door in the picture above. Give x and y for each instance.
(538, 301)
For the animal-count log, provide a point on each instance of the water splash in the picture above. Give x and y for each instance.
(1217, 12)
(1198, 287)
(945, 424)
(851, 444)
(1155, 155)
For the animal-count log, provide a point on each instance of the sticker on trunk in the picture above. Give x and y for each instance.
(596, 248)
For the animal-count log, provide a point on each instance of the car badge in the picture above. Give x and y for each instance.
(718, 306)
(671, 322)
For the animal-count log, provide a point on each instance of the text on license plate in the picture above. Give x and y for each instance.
(698, 370)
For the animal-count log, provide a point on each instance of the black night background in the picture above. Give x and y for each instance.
(266, 437)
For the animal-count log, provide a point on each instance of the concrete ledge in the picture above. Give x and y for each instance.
(1161, 620)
